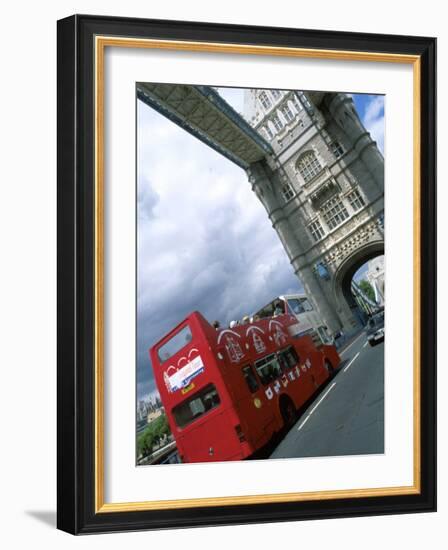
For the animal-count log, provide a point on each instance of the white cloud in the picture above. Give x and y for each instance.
(204, 240)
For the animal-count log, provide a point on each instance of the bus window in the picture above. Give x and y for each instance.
(267, 311)
(191, 409)
(296, 306)
(307, 304)
(174, 344)
(268, 368)
(251, 380)
(299, 305)
(283, 361)
(288, 358)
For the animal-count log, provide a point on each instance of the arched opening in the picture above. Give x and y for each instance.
(359, 285)
(367, 288)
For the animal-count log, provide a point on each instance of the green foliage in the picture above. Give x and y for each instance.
(367, 288)
(152, 435)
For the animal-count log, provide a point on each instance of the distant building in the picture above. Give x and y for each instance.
(375, 276)
(142, 411)
(153, 415)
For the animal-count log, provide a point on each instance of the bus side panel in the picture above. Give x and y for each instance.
(258, 419)
(259, 411)
(255, 412)
(319, 370)
(306, 384)
(332, 355)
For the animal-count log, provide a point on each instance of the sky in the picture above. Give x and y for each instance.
(204, 241)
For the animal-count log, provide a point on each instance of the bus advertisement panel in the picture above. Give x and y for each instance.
(226, 392)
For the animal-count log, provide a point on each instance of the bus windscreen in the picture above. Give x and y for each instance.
(299, 305)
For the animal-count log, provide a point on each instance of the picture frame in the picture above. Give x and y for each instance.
(82, 41)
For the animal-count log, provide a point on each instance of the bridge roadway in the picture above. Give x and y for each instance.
(347, 417)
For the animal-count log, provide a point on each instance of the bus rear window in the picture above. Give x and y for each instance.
(174, 344)
(193, 408)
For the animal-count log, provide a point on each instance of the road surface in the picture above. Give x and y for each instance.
(347, 417)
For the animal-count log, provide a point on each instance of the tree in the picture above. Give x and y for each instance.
(145, 442)
(152, 435)
(367, 289)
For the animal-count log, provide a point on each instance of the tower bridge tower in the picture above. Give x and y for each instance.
(323, 190)
(314, 167)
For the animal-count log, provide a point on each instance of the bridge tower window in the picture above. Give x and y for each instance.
(316, 230)
(337, 149)
(296, 103)
(308, 166)
(265, 101)
(268, 132)
(287, 113)
(287, 191)
(356, 200)
(334, 212)
(278, 124)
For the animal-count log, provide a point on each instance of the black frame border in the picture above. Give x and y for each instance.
(75, 273)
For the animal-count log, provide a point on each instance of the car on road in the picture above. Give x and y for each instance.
(375, 328)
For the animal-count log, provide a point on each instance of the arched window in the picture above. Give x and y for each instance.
(278, 123)
(308, 166)
(264, 100)
(287, 113)
(268, 132)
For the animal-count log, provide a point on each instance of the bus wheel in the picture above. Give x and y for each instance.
(329, 367)
(288, 412)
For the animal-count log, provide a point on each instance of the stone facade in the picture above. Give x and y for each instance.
(323, 190)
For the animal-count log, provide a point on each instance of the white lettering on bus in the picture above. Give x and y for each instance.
(269, 393)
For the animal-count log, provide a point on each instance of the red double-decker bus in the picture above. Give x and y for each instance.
(226, 392)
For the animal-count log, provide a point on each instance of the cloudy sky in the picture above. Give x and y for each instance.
(204, 240)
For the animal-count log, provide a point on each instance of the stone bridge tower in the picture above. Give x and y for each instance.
(323, 190)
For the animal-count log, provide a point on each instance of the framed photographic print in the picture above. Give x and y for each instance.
(246, 274)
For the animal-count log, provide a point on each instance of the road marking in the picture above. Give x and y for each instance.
(322, 398)
(350, 364)
(354, 342)
(304, 422)
(365, 344)
(316, 405)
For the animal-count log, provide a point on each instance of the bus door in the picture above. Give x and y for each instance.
(259, 419)
(297, 362)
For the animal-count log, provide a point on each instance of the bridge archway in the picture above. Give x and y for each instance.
(348, 309)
